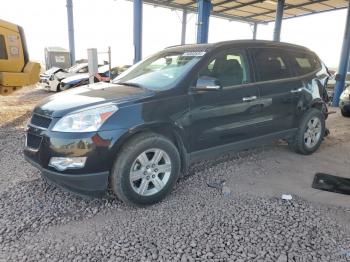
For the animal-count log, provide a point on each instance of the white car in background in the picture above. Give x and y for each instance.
(52, 78)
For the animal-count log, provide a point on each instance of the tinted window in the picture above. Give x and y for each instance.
(229, 68)
(271, 64)
(305, 63)
(3, 52)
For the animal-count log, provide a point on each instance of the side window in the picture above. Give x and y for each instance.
(3, 52)
(271, 64)
(305, 63)
(228, 68)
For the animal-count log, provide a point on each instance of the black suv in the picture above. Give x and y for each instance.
(185, 103)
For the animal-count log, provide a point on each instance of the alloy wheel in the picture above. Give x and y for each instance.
(312, 133)
(150, 172)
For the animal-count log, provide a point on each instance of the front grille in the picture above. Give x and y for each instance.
(40, 121)
(33, 141)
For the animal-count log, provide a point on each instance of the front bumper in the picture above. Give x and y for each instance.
(99, 148)
(94, 184)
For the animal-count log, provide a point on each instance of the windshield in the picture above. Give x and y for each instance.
(160, 71)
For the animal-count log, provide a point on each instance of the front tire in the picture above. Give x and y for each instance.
(146, 169)
(345, 113)
(310, 133)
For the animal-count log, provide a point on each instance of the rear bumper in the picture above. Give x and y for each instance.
(94, 184)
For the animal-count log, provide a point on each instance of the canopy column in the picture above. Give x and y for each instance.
(255, 30)
(343, 63)
(278, 21)
(204, 9)
(71, 31)
(184, 26)
(137, 30)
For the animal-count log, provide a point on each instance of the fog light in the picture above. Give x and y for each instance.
(63, 163)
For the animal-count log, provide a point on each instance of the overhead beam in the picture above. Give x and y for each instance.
(315, 13)
(71, 31)
(191, 9)
(287, 7)
(204, 9)
(243, 5)
(278, 21)
(343, 63)
(137, 30)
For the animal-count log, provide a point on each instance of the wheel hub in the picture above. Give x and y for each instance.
(150, 172)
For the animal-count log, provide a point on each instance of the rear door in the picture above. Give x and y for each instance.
(229, 114)
(277, 87)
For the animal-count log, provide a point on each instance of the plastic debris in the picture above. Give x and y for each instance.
(217, 185)
(287, 197)
(226, 191)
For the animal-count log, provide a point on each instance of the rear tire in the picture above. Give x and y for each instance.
(310, 133)
(146, 169)
(345, 113)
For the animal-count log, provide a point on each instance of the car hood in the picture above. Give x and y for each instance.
(82, 97)
(62, 75)
(75, 78)
(52, 70)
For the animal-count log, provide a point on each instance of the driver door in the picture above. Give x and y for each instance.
(229, 114)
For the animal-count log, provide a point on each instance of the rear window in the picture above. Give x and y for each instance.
(3, 52)
(271, 64)
(305, 62)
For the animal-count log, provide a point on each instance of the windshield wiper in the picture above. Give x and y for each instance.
(130, 84)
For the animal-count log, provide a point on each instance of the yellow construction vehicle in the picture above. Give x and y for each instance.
(16, 70)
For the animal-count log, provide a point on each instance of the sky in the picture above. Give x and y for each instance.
(102, 23)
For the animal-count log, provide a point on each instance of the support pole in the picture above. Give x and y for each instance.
(204, 9)
(137, 30)
(92, 64)
(110, 63)
(278, 21)
(255, 30)
(343, 64)
(184, 25)
(71, 31)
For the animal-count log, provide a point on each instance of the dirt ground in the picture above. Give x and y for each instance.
(41, 222)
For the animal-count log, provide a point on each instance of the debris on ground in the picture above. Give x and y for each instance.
(287, 197)
(331, 183)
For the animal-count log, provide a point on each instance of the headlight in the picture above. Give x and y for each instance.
(85, 121)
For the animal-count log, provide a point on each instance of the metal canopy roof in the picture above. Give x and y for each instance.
(257, 11)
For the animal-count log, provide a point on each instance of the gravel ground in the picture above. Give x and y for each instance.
(40, 222)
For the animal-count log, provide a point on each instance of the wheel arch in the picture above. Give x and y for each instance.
(168, 130)
(319, 104)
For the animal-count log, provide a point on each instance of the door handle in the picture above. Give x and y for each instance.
(249, 98)
(296, 90)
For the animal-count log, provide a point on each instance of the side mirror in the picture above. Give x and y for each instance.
(207, 83)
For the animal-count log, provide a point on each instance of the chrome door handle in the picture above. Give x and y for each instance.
(296, 90)
(249, 98)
